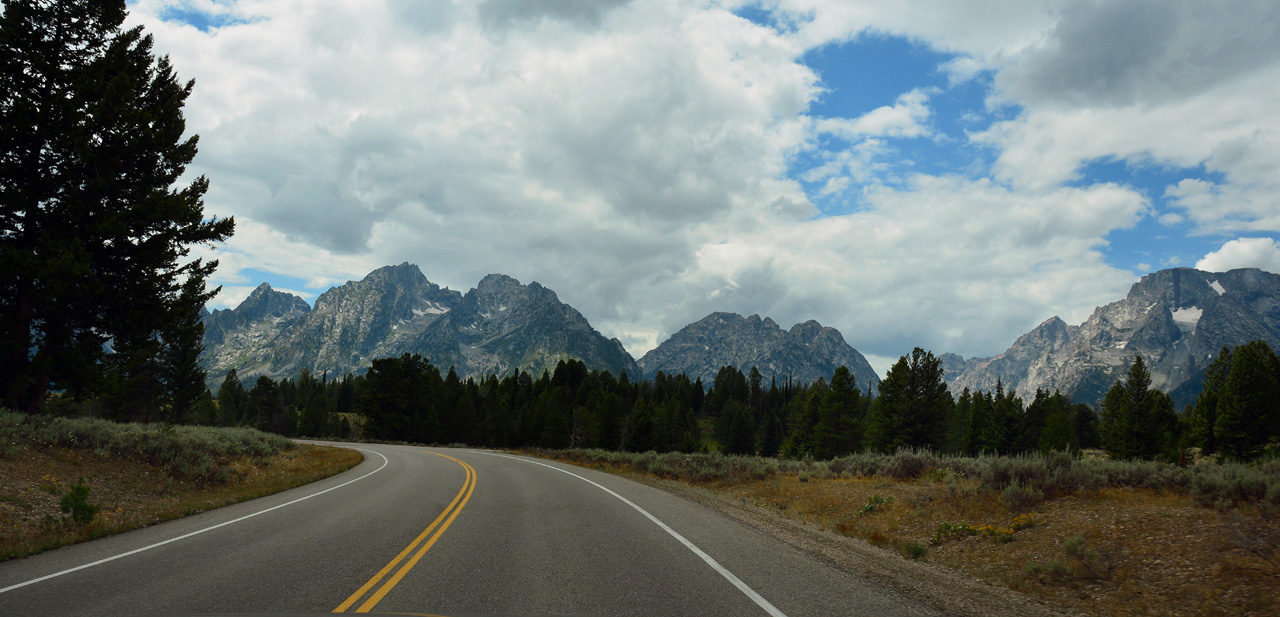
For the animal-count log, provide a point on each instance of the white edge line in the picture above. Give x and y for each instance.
(737, 582)
(196, 532)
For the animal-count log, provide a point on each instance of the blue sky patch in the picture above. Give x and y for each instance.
(203, 22)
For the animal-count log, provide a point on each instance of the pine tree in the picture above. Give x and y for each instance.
(1204, 413)
(1248, 416)
(93, 234)
(231, 400)
(913, 406)
(1137, 420)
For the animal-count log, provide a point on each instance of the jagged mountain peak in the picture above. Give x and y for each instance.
(1177, 319)
(501, 325)
(264, 301)
(804, 353)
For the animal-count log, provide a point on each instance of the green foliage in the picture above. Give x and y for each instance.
(1237, 414)
(1087, 562)
(913, 550)
(95, 233)
(1137, 420)
(913, 406)
(952, 531)
(1019, 497)
(76, 503)
(873, 504)
(194, 452)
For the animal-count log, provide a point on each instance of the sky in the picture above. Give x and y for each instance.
(917, 173)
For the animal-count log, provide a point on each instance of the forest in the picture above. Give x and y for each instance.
(407, 399)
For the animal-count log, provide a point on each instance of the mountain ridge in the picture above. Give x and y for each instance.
(1178, 319)
(806, 352)
(498, 326)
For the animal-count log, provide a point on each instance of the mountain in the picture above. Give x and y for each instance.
(501, 325)
(1178, 319)
(242, 336)
(494, 328)
(354, 323)
(804, 353)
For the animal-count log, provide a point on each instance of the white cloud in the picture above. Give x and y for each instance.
(1261, 253)
(634, 156)
(907, 117)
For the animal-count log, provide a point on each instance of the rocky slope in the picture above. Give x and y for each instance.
(501, 325)
(1178, 319)
(492, 329)
(242, 337)
(354, 323)
(805, 352)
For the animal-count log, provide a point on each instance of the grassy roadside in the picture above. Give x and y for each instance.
(136, 475)
(1098, 537)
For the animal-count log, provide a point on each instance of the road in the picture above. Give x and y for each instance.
(446, 532)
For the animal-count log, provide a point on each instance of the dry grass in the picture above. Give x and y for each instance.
(1108, 551)
(132, 493)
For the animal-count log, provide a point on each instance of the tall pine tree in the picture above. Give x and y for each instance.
(94, 232)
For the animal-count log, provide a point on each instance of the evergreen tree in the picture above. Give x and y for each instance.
(839, 429)
(93, 236)
(1204, 413)
(265, 403)
(913, 406)
(740, 438)
(231, 400)
(1137, 420)
(1248, 415)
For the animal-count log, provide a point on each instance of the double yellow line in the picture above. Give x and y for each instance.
(447, 516)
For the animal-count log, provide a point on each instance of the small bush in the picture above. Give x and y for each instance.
(1088, 563)
(950, 531)
(873, 504)
(913, 550)
(76, 503)
(908, 464)
(1054, 568)
(1019, 497)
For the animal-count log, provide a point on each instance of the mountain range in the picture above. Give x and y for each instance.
(1177, 319)
(495, 328)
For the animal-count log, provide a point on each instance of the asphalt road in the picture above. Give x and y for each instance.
(446, 532)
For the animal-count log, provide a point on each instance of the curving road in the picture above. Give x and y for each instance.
(446, 532)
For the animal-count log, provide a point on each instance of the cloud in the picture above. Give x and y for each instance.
(1261, 253)
(1145, 52)
(946, 263)
(637, 157)
(907, 117)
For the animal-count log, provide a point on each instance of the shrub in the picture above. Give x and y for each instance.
(76, 502)
(194, 452)
(873, 504)
(1020, 497)
(913, 550)
(1087, 562)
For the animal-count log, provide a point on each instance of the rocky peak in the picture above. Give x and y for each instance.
(267, 302)
(805, 352)
(501, 324)
(1177, 319)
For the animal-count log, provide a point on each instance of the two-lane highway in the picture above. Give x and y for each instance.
(445, 531)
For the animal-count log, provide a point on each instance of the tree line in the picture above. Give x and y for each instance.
(407, 399)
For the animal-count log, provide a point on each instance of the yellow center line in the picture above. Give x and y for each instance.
(449, 513)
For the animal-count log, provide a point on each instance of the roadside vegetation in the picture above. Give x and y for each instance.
(1085, 533)
(66, 480)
